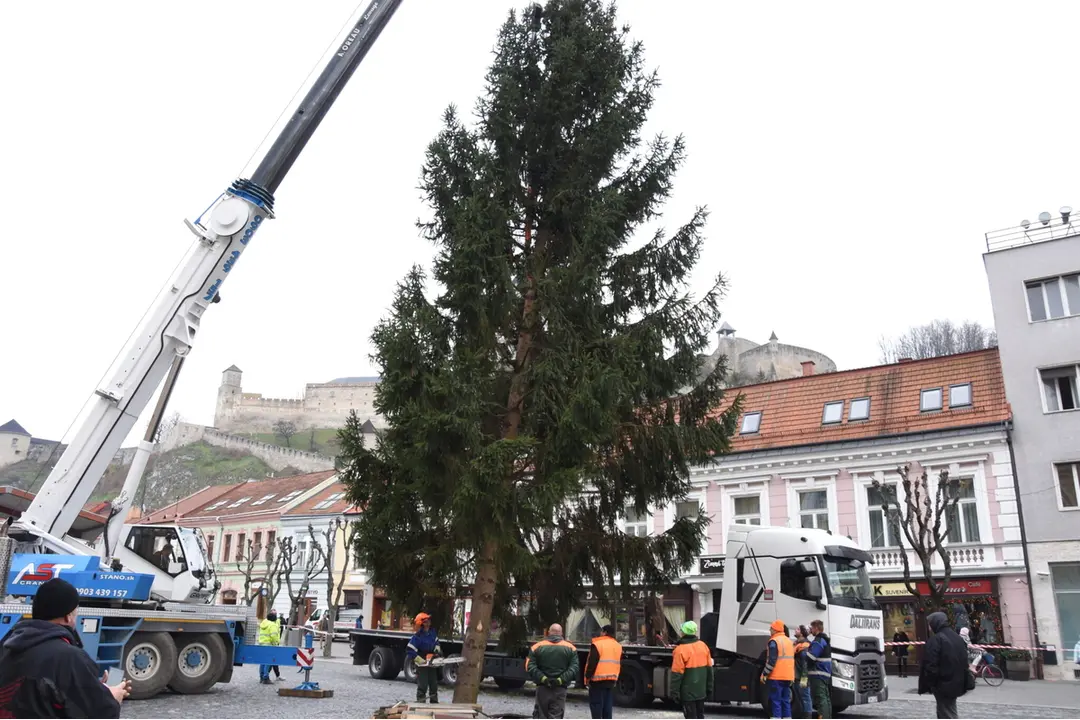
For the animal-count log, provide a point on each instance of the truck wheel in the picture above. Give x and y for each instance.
(200, 659)
(509, 683)
(448, 676)
(409, 671)
(381, 664)
(150, 663)
(630, 690)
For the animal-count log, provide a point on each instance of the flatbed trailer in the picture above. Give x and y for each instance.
(645, 675)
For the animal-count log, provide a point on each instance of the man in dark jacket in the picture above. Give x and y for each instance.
(552, 664)
(44, 671)
(944, 666)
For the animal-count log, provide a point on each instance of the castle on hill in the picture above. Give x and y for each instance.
(748, 362)
(324, 405)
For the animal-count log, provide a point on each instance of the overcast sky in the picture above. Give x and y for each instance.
(852, 154)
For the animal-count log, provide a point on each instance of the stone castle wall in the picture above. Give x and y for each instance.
(275, 456)
(324, 405)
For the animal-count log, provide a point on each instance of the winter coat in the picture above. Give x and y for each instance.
(269, 632)
(44, 672)
(901, 650)
(423, 643)
(691, 670)
(944, 667)
(555, 659)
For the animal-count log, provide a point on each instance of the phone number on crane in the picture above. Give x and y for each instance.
(103, 592)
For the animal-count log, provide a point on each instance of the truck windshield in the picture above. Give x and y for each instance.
(849, 583)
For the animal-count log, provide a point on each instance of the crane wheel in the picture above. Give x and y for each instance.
(200, 660)
(149, 663)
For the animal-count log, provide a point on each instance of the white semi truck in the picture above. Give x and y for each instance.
(770, 573)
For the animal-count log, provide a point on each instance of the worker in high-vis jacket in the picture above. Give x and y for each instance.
(779, 672)
(602, 672)
(269, 634)
(424, 647)
(691, 672)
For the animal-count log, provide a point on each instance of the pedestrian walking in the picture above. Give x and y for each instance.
(324, 630)
(691, 672)
(944, 667)
(779, 671)
(602, 669)
(44, 670)
(424, 647)
(552, 665)
(900, 652)
(801, 703)
(269, 634)
(820, 656)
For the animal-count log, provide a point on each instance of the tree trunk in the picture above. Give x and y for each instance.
(471, 671)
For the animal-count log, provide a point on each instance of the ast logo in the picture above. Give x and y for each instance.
(44, 572)
(865, 622)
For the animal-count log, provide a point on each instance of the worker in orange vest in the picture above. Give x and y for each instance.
(691, 672)
(602, 672)
(779, 670)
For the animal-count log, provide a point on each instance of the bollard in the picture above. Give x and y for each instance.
(305, 658)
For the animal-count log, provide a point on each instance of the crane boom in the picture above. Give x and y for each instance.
(169, 330)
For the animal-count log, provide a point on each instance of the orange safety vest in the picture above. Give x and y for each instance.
(609, 651)
(785, 658)
(690, 656)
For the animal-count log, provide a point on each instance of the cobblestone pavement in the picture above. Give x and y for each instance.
(357, 695)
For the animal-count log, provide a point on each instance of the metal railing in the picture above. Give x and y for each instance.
(1034, 233)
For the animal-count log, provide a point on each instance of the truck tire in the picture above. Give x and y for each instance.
(509, 683)
(448, 676)
(631, 690)
(149, 663)
(200, 660)
(382, 665)
(409, 671)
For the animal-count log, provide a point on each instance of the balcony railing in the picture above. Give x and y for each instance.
(959, 557)
(1055, 229)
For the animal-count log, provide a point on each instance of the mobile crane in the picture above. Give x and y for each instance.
(150, 579)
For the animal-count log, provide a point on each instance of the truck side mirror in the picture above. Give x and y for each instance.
(813, 590)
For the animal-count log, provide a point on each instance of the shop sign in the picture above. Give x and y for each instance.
(711, 565)
(891, 590)
(961, 587)
(615, 594)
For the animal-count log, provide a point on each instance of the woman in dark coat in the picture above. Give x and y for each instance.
(901, 651)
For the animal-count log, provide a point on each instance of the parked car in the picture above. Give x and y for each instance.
(349, 618)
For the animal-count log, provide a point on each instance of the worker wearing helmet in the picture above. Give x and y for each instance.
(424, 647)
(779, 670)
(691, 672)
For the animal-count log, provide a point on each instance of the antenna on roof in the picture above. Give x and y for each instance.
(1044, 218)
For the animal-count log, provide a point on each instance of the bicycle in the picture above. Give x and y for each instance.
(991, 674)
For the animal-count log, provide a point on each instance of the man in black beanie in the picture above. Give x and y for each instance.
(44, 671)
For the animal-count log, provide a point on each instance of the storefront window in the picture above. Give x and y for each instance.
(1066, 580)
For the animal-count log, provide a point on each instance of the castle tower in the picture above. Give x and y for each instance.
(228, 396)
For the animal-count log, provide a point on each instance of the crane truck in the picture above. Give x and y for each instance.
(146, 591)
(792, 574)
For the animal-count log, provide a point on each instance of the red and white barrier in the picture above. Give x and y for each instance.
(305, 657)
(976, 646)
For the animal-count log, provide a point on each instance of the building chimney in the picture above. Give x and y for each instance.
(808, 367)
(904, 360)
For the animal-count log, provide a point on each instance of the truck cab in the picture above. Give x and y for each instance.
(798, 575)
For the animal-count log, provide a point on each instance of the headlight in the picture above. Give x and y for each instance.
(844, 669)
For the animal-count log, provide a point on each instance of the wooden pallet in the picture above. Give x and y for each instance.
(419, 711)
(293, 692)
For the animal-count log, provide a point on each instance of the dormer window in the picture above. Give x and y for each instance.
(833, 413)
(859, 410)
(960, 395)
(751, 423)
(930, 400)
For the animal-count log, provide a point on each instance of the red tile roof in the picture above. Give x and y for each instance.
(330, 501)
(792, 410)
(191, 502)
(271, 495)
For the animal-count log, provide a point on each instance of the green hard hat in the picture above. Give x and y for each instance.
(689, 628)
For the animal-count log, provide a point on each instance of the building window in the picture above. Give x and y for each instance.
(833, 412)
(227, 549)
(329, 501)
(271, 543)
(290, 496)
(257, 548)
(747, 510)
(1068, 484)
(210, 547)
(959, 395)
(930, 400)
(239, 502)
(963, 518)
(1054, 298)
(1066, 581)
(241, 548)
(687, 509)
(814, 509)
(884, 531)
(636, 524)
(301, 556)
(859, 410)
(1059, 388)
(751, 423)
(263, 499)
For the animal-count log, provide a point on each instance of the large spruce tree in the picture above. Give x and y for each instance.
(553, 381)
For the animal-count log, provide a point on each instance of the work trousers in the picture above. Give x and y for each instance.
(601, 701)
(902, 665)
(780, 698)
(822, 694)
(693, 708)
(427, 683)
(801, 704)
(264, 673)
(551, 702)
(946, 707)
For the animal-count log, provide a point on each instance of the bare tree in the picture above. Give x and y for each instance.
(166, 426)
(338, 527)
(312, 447)
(923, 517)
(937, 338)
(246, 558)
(285, 430)
(309, 564)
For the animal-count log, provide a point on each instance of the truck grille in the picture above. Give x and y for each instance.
(870, 680)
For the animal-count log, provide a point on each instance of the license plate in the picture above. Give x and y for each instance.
(872, 698)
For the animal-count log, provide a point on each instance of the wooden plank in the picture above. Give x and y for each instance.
(292, 692)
